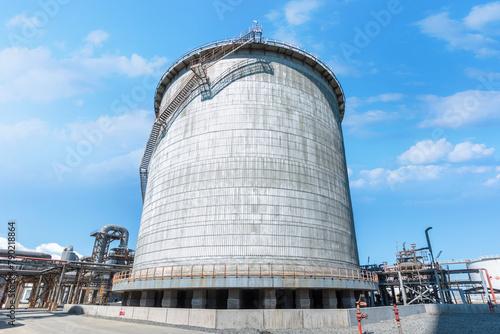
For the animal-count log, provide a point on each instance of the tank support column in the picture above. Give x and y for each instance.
(234, 299)
(211, 299)
(329, 298)
(269, 298)
(199, 298)
(147, 298)
(348, 299)
(169, 298)
(302, 299)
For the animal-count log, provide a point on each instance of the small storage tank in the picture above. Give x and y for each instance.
(492, 265)
(248, 175)
(69, 255)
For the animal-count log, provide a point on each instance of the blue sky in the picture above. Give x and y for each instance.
(421, 79)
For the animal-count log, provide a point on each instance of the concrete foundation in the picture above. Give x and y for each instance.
(267, 319)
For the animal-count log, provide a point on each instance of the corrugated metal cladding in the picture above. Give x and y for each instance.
(255, 173)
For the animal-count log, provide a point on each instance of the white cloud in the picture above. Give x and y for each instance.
(482, 15)
(386, 97)
(22, 20)
(474, 169)
(22, 130)
(358, 183)
(461, 109)
(52, 248)
(426, 151)
(35, 150)
(273, 15)
(124, 130)
(299, 12)
(97, 37)
(493, 181)
(287, 35)
(62, 78)
(429, 151)
(352, 67)
(382, 176)
(467, 151)
(457, 35)
(358, 120)
(115, 168)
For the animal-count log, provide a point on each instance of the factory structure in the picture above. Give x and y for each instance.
(246, 203)
(42, 282)
(245, 187)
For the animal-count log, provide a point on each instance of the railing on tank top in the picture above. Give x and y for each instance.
(244, 270)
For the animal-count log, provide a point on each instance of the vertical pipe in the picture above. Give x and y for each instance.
(63, 271)
(403, 291)
(438, 283)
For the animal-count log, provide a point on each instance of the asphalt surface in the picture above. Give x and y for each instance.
(44, 322)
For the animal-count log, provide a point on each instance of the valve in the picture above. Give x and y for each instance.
(360, 316)
(396, 313)
(492, 307)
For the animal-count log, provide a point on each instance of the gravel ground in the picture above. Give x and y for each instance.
(416, 324)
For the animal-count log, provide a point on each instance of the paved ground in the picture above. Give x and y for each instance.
(44, 322)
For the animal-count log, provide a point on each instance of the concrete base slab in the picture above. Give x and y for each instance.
(141, 313)
(267, 319)
(158, 315)
(129, 312)
(202, 318)
(178, 316)
(325, 319)
(283, 319)
(240, 319)
(113, 311)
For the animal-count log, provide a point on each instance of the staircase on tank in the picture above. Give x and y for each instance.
(198, 78)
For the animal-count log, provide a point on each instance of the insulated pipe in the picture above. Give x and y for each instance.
(122, 230)
(123, 239)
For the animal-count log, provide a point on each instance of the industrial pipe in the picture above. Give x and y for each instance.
(396, 313)
(360, 316)
(121, 229)
(487, 277)
(123, 239)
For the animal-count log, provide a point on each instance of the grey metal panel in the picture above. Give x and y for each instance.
(254, 174)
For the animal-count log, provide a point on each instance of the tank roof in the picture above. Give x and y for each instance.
(265, 44)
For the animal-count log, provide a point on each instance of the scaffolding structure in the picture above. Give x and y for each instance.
(413, 279)
(56, 282)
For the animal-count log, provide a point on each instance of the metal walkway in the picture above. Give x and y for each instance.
(198, 77)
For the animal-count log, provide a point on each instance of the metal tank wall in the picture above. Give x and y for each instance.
(493, 267)
(254, 174)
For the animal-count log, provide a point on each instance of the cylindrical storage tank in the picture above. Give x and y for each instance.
(255, 174)
(250, 171)
(492, 265)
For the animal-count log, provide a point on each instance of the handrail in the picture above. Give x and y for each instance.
(248, 270)
(269, 41)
